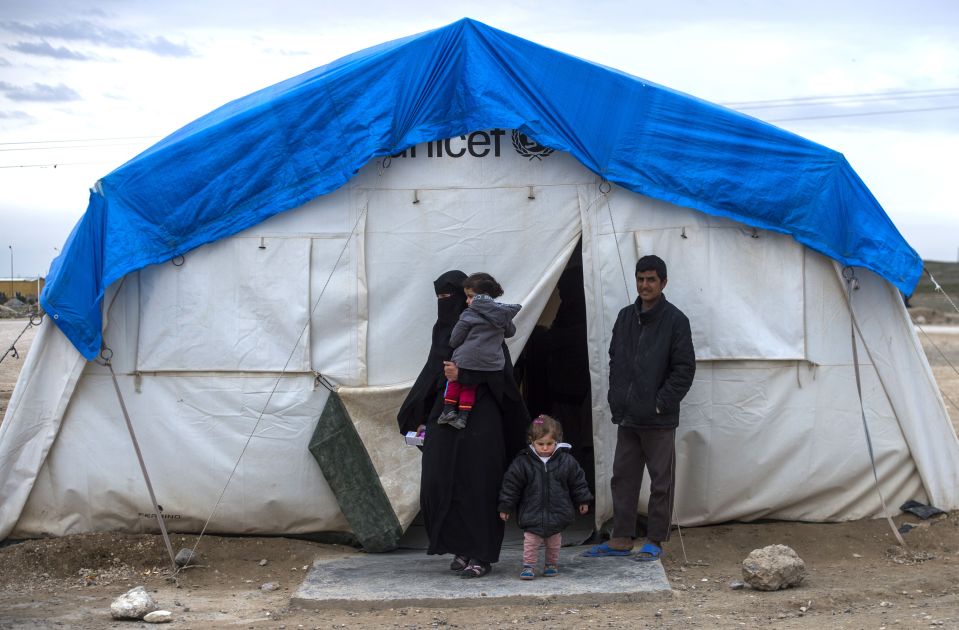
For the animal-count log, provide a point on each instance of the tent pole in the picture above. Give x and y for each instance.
(107, 354)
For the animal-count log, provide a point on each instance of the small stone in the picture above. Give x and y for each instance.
(263, 562)
(269, 586)
(184, 557)
(158, 616)
(737, 585)
(133, 604)
(772, 568)
(857, 555)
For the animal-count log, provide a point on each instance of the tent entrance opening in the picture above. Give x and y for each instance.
(553, 369)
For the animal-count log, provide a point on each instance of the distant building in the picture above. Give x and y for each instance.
(24, 289)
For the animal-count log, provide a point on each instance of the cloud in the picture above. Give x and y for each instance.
(286, 52)
(14, 115)
(165, 48)
(43, 49)
(39, 92)
(4, 62)
(83, 30)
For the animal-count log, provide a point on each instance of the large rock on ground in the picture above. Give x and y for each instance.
(134, 604)
(772, 568)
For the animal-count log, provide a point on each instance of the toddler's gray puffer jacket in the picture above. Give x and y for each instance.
(479, 333)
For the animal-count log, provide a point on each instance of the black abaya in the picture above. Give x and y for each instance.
(419, 402)
(463, 468)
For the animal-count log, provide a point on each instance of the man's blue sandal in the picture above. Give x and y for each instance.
(648, 553)
(603, 550)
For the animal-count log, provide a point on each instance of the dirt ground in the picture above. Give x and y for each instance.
(857, 576)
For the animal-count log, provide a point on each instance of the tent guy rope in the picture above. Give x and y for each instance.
(609, 208)
(944, 358)
(35, 320)
(939, 289)
(319, 378)
(852, 284)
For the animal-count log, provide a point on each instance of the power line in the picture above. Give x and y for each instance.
(81, 140)
(932, 93)
(838, 101)
(857, 114)
(758, 104)
(57, 164)
(75, 146)
(859, 96)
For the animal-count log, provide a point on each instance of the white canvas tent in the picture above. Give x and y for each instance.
(770, 429)
(269, 253)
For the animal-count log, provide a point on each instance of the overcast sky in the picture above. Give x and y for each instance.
(87, 85)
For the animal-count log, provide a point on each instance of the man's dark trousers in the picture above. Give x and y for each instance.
(636, 449)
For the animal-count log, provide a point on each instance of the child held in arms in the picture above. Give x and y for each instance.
(477, 340)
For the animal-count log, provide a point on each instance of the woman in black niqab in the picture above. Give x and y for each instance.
(463, 469)
(450, 302)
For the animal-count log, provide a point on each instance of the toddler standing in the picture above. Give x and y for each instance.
(545, 482)
(478, 342)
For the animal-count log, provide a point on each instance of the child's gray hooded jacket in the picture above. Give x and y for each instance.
(479, 333)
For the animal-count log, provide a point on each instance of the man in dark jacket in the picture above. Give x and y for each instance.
(651, 367)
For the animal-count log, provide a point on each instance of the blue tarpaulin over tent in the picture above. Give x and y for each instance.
(278, 148)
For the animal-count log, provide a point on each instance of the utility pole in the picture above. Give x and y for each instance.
(11, 296)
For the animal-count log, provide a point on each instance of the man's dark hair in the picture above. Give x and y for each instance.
(483, 283)
(652, 263)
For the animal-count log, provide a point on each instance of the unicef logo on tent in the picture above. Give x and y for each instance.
(479, 144)
(529, 148)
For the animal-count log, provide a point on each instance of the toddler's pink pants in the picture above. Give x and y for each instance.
(531, 543)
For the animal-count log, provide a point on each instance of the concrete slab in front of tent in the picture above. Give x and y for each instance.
(411, 578)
